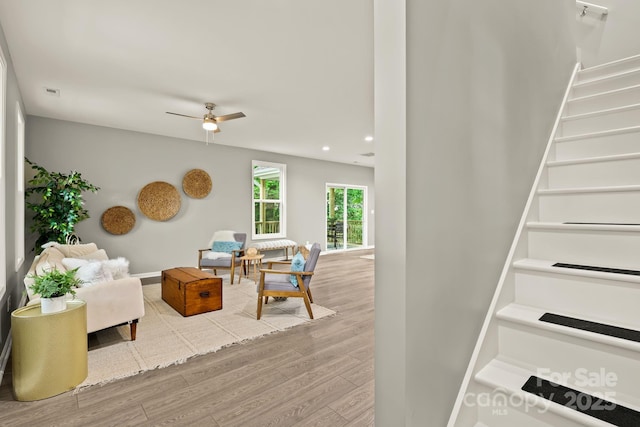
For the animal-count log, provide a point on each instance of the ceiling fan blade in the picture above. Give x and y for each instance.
(229, 117)
(184, 115)
(217, 130)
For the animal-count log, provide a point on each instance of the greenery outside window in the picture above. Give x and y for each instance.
(269, 195)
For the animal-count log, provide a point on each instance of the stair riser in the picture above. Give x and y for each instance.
(615, 249)
(518, 414)
(617, 207)
(606, 301)
(605, 101)
(601, 122)
(622, 143)
(617, 67)
(620, 82)
(588, 366)
(600, 174)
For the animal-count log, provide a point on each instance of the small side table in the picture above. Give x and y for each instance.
(256, 260)
(49, 351)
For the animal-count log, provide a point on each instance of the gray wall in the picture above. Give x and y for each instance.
(614, 37)
(484, 82)
(123, 162)
(13, 280)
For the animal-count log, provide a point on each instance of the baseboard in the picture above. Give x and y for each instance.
(4, 356)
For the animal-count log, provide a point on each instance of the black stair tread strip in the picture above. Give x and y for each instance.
(585, 403)
(595, 268)
(587, 325)
(600, 223)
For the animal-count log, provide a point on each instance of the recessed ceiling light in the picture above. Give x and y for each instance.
(326, 148)
(368, 138)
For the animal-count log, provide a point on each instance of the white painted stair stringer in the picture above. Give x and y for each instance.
(460, 414)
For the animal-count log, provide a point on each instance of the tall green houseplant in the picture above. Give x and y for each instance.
(56, 201)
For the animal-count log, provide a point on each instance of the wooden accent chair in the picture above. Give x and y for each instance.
(277, 283)
(230, 263)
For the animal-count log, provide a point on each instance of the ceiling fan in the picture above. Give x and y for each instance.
(210, 121)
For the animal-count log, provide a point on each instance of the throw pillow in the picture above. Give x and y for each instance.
(92, 273)
(223, 246)
(118, 268)
(297, 264)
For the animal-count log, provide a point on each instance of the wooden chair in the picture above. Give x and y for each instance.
(224, 263)
(277, 283)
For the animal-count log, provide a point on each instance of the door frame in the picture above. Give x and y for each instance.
(365, 222)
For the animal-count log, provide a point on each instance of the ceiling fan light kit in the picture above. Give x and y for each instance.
(210, 121)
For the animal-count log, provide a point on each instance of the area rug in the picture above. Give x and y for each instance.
(166, 338)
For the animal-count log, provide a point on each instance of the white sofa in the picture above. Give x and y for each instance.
(109, 303)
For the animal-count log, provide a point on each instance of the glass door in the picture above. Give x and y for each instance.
(345, 217)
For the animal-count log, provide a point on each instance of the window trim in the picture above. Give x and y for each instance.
(20, 187)
(282, 200)
(3, 146)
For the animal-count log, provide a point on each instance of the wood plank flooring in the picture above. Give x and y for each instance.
(318, 374)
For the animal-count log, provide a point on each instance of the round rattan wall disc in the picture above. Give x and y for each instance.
(159, 201)
(118, 220)
(196, 183)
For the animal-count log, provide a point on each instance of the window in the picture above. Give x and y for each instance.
(19, 228)
(269, 194)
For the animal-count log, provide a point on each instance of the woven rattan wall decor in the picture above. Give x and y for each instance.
(118, 220)
(197, 184)
(159, 201)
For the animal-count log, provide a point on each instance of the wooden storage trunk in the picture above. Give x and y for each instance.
(191, 291)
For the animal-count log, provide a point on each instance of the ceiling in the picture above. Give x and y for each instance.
(302, 71)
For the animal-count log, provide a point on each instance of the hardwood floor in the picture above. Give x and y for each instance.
(317, 374)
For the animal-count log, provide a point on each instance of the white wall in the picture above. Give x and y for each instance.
(13, 279)
(484, 82)
(123, 162)
(614, 37)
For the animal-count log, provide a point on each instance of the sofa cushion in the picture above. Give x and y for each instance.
(76, 251)
(99, 255)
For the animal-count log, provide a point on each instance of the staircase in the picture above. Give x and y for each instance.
(561, 343)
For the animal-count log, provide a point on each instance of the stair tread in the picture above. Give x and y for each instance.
(583, 226)
(587, 82)
(613, 63)
(527, 315)
(596, 159)
(605, 189)
(546, 266)
(612, 110)
(596, 134)
(603, 93)
(509, 378)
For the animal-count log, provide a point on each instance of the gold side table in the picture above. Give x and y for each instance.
(49, 351)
